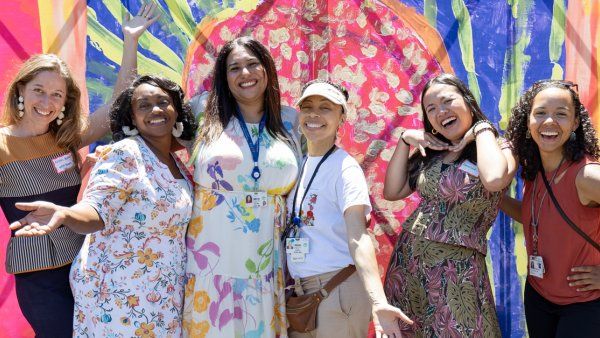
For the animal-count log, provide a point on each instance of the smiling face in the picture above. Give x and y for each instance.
(551, 120)
(447, 111)
(43, 97)
(153, 112)
(246, 76)
(320, 119)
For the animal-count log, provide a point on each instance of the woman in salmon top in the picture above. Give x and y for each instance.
(551, 134)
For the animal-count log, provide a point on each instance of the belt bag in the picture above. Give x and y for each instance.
(302, 310)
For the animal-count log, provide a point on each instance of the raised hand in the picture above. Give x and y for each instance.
(44, 217)
(134, 27)
(421, 140)
(586, 278)
(385, 320)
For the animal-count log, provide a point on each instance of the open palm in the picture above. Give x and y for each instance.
(135, 26)
(43, 218)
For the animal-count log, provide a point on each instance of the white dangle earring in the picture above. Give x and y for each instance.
(128, 131)
(21, 106)
(177, 129)
(60, 116)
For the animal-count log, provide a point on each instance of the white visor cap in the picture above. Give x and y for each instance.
(327, 91)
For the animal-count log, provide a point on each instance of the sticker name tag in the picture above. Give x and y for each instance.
(63, 163)
(470, 168)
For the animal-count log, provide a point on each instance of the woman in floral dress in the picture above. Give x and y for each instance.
(437, 273)
(245, 163)
(128, 279)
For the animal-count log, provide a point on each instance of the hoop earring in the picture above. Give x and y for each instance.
(61, 116)
(21, 106)
(299, 130)
(434, 132)
(527, 134)
(128, 131)
(177, 129)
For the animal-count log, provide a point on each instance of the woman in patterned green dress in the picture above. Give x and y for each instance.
(437, 272)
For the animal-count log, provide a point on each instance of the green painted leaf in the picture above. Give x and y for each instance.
(251, 266)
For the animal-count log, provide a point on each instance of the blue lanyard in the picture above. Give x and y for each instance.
(254, 146)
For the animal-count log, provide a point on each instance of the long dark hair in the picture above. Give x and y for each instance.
(221, 105)
(525, 148)
(120, 113)
(417, 162)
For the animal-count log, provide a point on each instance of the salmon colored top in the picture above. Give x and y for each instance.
(559, 245)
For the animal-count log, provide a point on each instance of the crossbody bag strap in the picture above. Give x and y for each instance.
(566, 218)
(339, 278)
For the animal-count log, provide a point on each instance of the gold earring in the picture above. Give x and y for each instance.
(433, 131)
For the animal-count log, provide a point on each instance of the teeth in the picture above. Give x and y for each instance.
(248, 84)
(314, 125)
(549, 133)
(448, 120)
(45, 113)
(155, 121)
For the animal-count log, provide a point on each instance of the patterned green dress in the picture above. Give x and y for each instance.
(437, 272)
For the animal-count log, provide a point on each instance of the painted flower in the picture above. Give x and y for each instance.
(146, 330)
(195, 227)
(125, 321)
(170, 231)
(162, 205)
(209, 201)
(106, 318)
(201, 301)
(139, 217)
(198, 330)
(153, 297)
(133, 301)
(147, 257)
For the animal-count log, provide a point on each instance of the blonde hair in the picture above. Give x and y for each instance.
(68, 134)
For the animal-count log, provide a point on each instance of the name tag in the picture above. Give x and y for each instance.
(63, 163)
(296, 245)
(536, 266)
(257, 199)
(470, 168)
(298, 257)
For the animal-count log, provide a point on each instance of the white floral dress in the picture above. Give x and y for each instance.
(128, 280)
(235, 280)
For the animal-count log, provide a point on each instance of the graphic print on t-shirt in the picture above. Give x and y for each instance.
(308, 216)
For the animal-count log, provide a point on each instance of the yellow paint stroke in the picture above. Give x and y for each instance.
(112, 47)
(147, 40)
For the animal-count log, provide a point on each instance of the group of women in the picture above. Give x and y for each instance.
(170, 253)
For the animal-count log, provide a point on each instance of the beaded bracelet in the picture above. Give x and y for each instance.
(490, 127)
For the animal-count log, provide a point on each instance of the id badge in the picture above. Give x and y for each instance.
(296, 246)
(536, 266)
(470, 168)
(256, 199)
(63, 163)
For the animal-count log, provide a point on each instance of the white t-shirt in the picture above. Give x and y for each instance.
(339, 184)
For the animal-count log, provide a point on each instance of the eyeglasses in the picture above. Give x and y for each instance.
(545, 83)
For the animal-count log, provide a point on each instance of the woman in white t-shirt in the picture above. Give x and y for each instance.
(327, 228)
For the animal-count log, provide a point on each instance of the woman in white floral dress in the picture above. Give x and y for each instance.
(128, 280)
(235, 280)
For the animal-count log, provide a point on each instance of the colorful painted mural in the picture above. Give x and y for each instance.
(383, 51)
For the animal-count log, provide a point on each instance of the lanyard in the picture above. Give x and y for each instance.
(296, 216)
(254, 146)
(535, 220)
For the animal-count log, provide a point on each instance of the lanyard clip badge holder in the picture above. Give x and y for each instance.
(296, 246)
(256, 198)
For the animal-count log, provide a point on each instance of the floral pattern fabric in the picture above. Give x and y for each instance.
(437, 272)
(128, 280)
(235, 279)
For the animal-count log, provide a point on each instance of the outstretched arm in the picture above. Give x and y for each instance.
(133, 28)
(45, 217)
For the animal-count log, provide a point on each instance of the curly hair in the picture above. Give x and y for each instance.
(221, 106)
(525, 148)
(68, 134)
(417, 162)
(120, 113)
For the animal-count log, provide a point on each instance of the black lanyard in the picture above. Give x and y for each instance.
(254, 147)
(295, 217)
